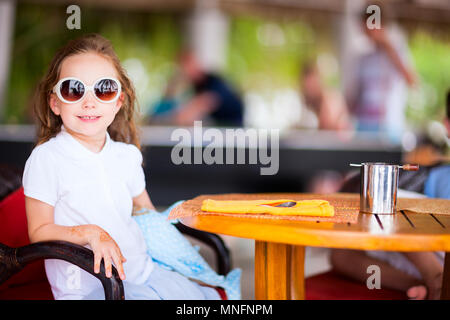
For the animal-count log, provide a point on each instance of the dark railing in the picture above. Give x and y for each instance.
(12, 260)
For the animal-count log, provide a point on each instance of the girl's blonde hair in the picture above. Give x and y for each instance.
(123, 128)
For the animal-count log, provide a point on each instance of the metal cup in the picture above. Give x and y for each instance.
(378, 187)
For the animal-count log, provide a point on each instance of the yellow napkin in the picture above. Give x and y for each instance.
(319, 208)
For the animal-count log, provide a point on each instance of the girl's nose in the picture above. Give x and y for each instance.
(89, 100)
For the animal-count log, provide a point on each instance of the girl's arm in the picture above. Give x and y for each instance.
(143, 201)
(41, 227)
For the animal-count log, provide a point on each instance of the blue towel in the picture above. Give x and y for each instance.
(171, 250)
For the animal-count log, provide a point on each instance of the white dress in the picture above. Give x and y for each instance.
(91, 188)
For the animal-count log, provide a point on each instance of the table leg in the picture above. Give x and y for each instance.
(298, 273)
(278, 271)
(445, 292)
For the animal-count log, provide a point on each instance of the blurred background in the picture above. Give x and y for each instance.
(338, 92)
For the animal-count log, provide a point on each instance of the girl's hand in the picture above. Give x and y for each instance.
(106, 248)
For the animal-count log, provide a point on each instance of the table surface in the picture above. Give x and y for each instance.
(403, 231)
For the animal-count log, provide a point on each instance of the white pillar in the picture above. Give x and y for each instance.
(351, 42)
(7, 15)
(208, 34)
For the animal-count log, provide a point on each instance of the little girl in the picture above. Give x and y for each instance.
(85, 175)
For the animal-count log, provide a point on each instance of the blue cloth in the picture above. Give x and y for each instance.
(437, 184)
(171, 250)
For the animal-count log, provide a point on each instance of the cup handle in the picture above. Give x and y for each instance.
(410, 167)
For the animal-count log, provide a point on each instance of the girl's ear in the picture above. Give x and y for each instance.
(53, 101)
(119, 102)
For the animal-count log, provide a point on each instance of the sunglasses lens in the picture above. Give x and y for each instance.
(106, 89)
(72, 90)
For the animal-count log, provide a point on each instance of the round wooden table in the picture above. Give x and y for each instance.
(280, 244)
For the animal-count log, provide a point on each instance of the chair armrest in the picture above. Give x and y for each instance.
(12, 260)
(215, 242)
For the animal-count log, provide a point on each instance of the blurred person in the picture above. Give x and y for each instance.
(328, 104)
(383, 75)
(433, 147)
(438, 182)
(332, 113)
(212, 98)
(426, 153)
(163, 110)
(419, 274)
(168, 101)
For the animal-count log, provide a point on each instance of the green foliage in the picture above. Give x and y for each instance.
(432, 61)
(150, 39)
(267, 54)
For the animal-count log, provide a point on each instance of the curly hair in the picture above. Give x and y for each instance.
(122, 129)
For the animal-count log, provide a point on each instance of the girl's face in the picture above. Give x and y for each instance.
(87, 67)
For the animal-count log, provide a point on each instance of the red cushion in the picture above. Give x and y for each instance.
(13, 220)
(14, 233)
(332, 286)
(33, 291)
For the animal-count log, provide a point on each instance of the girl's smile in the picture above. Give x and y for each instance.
(89, 118)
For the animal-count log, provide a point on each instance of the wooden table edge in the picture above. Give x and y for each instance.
(307, 236)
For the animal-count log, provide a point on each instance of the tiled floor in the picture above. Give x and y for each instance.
(242, 253)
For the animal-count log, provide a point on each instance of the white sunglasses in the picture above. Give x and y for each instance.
(72, 90)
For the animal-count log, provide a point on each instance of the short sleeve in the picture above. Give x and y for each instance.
(40, 178)
(137, 176)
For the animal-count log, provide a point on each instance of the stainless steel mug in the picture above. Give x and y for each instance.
(379, 182)
(378, 187)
